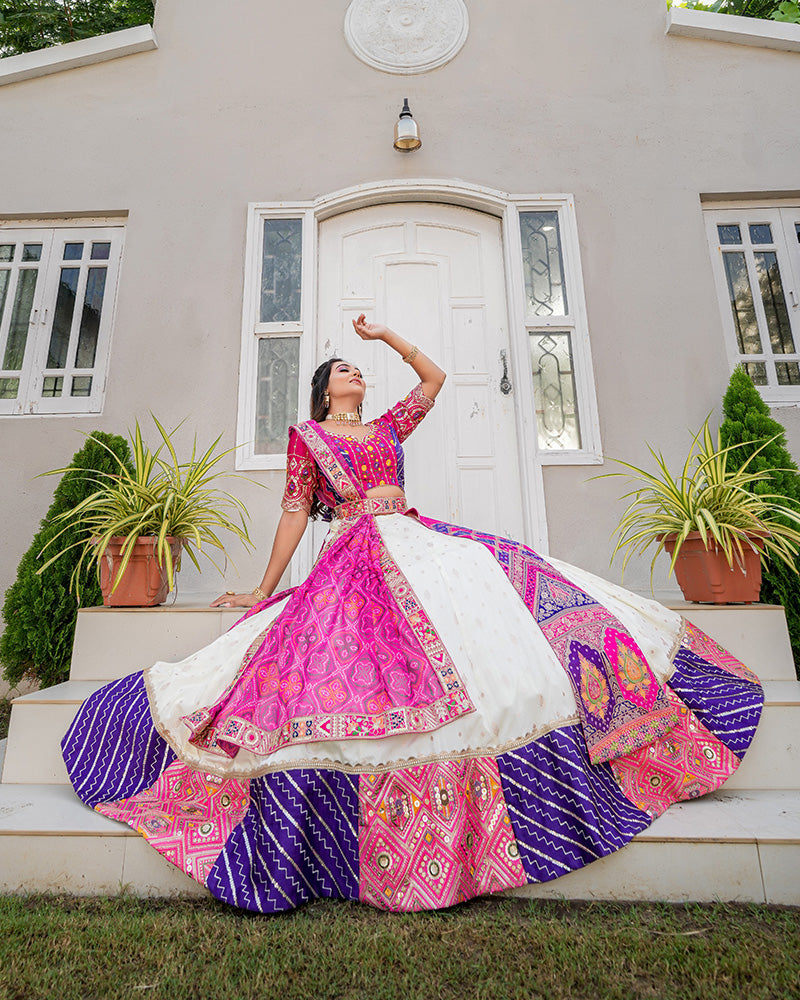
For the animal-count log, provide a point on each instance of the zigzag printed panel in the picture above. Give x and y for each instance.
(112, 749)
(298, 842)
(728, 705)
(435, 834)
(565, 811)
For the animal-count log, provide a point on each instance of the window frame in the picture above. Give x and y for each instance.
(507, 208)
(53, 235)
(782, 215)
(575, 322)
(253, 330)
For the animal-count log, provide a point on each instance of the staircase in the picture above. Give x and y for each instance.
(741, 843)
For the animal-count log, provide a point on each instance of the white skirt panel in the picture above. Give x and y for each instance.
(517, 685)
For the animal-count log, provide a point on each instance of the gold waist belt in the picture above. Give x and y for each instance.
(371, 505)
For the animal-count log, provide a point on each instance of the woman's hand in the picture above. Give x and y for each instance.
(235, 601)
(430, 374)
(370, 331)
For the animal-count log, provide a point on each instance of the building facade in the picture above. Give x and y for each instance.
(603, 219)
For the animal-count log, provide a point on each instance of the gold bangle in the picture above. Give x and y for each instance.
(259, 593)
(411, 355)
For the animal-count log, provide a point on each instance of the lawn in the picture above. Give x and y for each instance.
(490, 948)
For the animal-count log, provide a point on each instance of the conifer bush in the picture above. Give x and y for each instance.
(748, 423)
(40, 612)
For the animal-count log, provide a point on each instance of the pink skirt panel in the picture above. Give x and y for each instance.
(352, 655)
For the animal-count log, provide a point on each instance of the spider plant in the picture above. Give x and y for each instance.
(707, 497)
(161, 498)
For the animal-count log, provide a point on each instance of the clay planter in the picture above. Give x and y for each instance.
(144, 583)
(704, 575)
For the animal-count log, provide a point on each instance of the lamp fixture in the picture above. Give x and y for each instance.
(406, 133)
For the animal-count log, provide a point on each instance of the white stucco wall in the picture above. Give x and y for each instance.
(270, 104)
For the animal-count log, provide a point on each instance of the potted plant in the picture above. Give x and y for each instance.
(138, 521)
(715, 528)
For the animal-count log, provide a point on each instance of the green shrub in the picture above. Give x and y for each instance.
(5, 716)
(40, 611)
(748, 422)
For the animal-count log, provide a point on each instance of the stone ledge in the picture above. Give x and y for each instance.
(741, 847)
(85, 52)
(758, 32)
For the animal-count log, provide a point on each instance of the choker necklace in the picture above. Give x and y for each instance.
(344, 418)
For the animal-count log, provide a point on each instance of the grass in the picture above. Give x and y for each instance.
(490, 948)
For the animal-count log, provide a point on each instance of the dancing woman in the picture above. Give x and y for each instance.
(433, 714)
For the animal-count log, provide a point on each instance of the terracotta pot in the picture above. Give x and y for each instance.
(704, 575)
(144, 583)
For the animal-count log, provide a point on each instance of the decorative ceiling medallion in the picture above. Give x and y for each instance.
(406, 36)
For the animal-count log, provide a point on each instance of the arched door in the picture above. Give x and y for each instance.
(435, 274)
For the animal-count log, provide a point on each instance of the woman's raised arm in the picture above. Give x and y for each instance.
(430, 374)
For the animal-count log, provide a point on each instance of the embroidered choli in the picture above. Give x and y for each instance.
(377, 460)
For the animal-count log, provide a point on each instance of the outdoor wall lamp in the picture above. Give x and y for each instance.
(406, 133)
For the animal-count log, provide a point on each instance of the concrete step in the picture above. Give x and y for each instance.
(773, 760)
(39, 721)
(754, 633)
(742, 846)
(739, 846)
(114, 642)
(51, 842)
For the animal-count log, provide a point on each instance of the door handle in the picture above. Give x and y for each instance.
(505, 381)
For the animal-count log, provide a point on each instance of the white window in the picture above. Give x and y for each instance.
(557, 335)
(756, 258)
(275, 318)
(57, 295)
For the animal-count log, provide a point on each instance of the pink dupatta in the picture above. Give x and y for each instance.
(352, 655)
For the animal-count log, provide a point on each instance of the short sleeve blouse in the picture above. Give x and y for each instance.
(380, 451)
(406, 414)
(301, 475)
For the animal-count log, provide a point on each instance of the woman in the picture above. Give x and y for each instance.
(435, 713)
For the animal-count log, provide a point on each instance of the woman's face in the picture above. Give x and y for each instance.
(345, 380)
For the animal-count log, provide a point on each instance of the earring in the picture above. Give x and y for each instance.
(327, 399)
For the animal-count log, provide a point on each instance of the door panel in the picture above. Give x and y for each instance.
(433, 273)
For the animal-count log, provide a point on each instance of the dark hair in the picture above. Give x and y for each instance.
(319, 383)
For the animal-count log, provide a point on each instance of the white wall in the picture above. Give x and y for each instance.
(270, 104)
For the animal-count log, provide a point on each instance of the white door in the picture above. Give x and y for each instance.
(434, 273)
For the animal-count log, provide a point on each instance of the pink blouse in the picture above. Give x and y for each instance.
(377, 460)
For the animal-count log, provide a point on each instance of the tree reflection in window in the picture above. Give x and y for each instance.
(281, 270)
(276, 396)
(554, 390)
(545, 290)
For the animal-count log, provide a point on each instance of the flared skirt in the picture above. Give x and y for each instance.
(434, 714)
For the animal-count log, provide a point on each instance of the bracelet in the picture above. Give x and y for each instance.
(259, 593)
(411, 355)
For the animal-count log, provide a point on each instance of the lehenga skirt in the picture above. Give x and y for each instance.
(432, 715)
